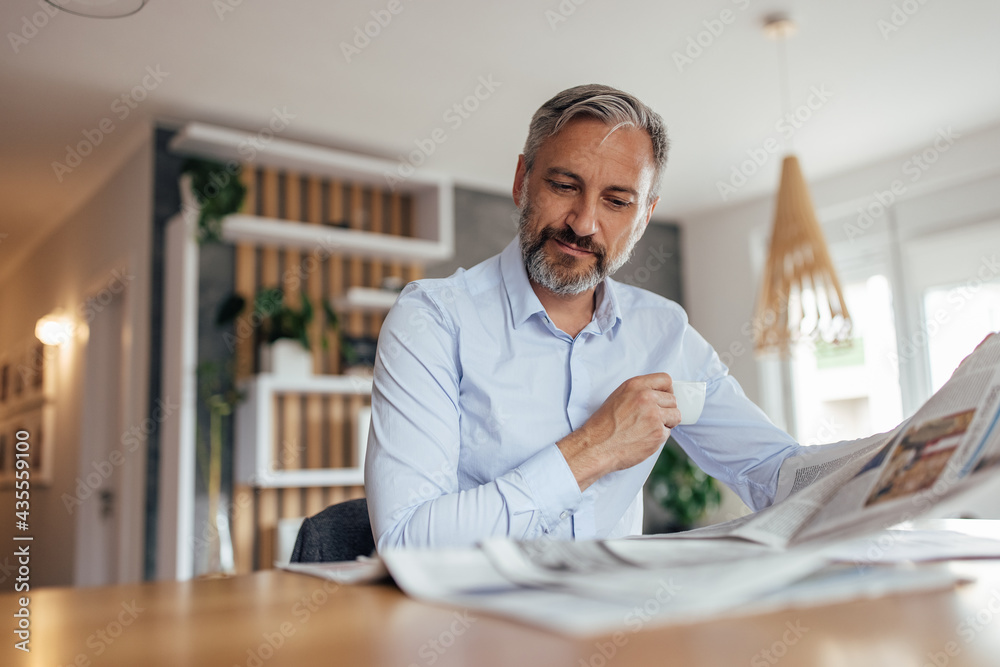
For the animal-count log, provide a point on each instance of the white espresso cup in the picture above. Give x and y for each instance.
(690, 400)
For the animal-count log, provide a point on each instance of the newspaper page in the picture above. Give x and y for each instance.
(876, 482)
(588, 588)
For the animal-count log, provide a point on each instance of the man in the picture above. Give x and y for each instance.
(530, 395)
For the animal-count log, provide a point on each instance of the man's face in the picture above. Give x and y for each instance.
(585, 204)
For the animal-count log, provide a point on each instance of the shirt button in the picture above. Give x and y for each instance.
(564, 515)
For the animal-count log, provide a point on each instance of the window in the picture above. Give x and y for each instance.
(850, 391)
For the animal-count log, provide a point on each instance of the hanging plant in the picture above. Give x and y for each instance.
(218, 191)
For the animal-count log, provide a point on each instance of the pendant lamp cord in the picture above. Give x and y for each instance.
(785, 94)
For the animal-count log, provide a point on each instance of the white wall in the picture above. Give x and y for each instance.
(110, 231)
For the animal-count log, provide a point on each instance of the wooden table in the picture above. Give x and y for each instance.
(277, 618)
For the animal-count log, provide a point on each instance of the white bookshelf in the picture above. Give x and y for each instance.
(255, 418)
(434, 236)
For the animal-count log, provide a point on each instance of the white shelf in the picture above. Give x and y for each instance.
(254, 423)
(433, 217)
(367, 299)
(327, 239)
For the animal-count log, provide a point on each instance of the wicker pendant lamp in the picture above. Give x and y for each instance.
(800, 294)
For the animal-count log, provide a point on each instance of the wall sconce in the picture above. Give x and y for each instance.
(54, 329)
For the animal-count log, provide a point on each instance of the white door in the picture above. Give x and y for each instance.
(101, 452)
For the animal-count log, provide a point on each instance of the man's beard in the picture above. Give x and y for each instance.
(557, 274)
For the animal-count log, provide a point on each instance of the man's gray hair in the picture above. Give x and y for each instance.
(615, 107)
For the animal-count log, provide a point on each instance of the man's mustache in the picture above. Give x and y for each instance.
(569, 237)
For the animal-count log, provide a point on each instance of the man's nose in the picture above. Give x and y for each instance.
(583, 218)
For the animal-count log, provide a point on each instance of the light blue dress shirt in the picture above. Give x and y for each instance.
(474, 385)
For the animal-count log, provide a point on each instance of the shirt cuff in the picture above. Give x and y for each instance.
(552, 485)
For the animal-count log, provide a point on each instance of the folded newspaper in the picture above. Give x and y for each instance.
(780, 556)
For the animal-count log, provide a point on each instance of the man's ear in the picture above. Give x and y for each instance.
(649, 211)
(520, 174)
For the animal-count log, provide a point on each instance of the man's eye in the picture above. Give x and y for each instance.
(561, 187)
(619, 203)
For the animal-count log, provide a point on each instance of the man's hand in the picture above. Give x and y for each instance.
(627, 429)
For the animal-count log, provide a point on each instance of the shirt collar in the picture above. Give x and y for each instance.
(524, 302)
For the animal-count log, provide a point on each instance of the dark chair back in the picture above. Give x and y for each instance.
(340, 532)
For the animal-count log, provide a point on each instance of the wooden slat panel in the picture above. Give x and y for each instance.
(291, 436)
(246, 286)
(314, 403)
(395, 267)
(292, 506)
(335, 453)
(315, 500)
(350, 452)
(269, 208)
(314, 278)
(267, 523)
(378, 226)
(355, 321)
(243, 528)
(248, 177)
(291, 448)
(335, 494)
(314, 431)
(335, 270)
(245, 281)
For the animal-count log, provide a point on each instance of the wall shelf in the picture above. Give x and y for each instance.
(434, 236)
(366, 299)
(254, 465)
(328, 239)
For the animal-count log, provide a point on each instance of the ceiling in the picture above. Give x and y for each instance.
(887, 87)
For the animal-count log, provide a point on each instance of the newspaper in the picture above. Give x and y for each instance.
(782, 555)
(946, 448)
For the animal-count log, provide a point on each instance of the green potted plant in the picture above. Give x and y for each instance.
(284, 329)
(681, 488)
